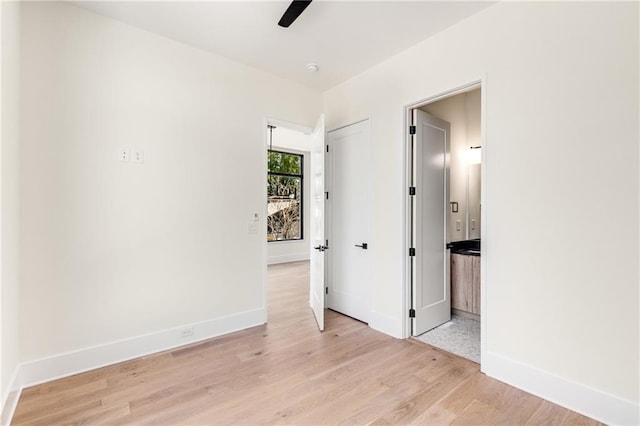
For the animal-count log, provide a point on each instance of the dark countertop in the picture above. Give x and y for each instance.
(466, 247)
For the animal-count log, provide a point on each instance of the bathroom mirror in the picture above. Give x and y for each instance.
(474, 210)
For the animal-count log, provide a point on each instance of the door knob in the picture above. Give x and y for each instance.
(321, 248)
(363, 246)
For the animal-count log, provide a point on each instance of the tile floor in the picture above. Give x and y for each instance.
(460, 336)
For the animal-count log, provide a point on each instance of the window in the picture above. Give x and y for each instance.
(284, 196)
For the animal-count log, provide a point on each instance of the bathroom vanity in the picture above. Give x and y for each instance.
(465, 278)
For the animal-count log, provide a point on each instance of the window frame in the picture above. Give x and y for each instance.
(290, 175)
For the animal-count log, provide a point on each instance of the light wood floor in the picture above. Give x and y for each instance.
(288, 372)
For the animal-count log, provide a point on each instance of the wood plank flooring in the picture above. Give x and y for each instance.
(287, 372)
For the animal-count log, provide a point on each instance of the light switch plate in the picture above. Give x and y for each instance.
(252, 228)
(138, 156)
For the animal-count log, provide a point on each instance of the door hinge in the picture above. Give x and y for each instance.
(412, 251)
(412, 313)
(326, 244)
(412, 130)
(327, 148)
(326, 290)
(326, 194)
(412, 190)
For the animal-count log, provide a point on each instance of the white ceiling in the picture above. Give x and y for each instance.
(343, 37)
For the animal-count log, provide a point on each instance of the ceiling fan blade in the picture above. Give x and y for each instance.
(293, 11)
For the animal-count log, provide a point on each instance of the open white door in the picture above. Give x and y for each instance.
(431, 287)
(317, 292)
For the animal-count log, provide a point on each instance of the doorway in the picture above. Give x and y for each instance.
(444, 223)
(288, 189)
(287, 194)
(295, 199)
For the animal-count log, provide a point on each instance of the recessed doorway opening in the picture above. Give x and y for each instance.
(288, 189)
(294, 166)
(444, 220)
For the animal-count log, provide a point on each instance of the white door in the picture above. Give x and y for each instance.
(431, 288)
(317, 284)
(349, 219)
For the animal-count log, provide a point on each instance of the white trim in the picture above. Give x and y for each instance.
(285, 258)
(10, 400)
(463, 88)
(351, 124)
(484, 312)
(588, 401)
(289, 125)
(405, 290)
(70, 363)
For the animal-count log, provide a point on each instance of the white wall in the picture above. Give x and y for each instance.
(561, 289)
(9, 214)
(462, 112)
(289, 140)
(113, 250)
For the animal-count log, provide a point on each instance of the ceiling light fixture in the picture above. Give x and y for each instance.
(312, 68)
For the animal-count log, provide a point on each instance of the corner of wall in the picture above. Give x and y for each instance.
(10, 400)
(386, 324)
(10, 15)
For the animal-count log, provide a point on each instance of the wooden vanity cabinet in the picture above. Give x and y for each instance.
(465, 283)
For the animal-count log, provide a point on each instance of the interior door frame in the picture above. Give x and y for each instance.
(263, 220)
(439, 95)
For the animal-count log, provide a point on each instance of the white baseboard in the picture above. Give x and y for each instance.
(386, 324)
(590, 402)
(67, 364)
(272, 260)
(10, 401)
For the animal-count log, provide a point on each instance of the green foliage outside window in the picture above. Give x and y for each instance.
(284, 196)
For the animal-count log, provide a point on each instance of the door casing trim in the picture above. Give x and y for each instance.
(480, 83)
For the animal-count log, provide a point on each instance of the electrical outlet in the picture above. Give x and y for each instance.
(186, 332)
(123, 154)
(138, 156)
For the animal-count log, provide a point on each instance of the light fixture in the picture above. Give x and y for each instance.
(271, 136)
(312, 67)
(475, 155)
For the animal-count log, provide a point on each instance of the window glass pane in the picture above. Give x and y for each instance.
(284, 208)
(282, 162)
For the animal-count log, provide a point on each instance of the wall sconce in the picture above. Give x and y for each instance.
(474, 155)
